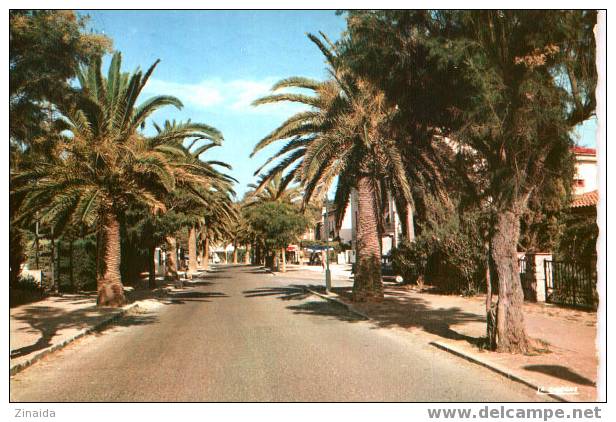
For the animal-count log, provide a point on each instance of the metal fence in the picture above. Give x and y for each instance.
(571, 283)
(526, 270)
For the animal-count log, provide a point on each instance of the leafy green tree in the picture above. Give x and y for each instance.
(278, 224)
(269, 188)
(519, 81)
(532, 78)
(578, 241)
(45, 48)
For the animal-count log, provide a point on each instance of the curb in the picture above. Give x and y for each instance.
(23, 365)
(494, 368)
(340, 302)
(452, 350)
(268, 271)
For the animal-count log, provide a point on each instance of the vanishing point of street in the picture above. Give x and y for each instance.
(240, 334)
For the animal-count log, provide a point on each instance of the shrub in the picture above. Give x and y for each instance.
(25, 290)
(27, 283)
(450, 256)
(409, 259)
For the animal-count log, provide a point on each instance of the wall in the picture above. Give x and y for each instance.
(586, 171)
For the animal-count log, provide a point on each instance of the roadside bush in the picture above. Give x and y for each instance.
(409, 260)
(25, 290)
(448, 254)
(27, 283)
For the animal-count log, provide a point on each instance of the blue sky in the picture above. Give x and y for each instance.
(218, 62)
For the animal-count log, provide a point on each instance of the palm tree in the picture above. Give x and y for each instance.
(272, 189)
(106, 163)
(194, 198)
(343, 135)
(215, 223)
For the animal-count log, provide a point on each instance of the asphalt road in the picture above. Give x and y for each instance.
(241, 335)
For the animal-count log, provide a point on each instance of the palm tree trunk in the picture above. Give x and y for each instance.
(247, 254)
(200, 253)
(36, 245)
(235, 252)
(71, 273)
(410, 223)
(274, 259)
(152, 266)
(283, 261)
(110, 288)
(206, 253)
(54, 283)
(367, 284)
(510, 333)
(99, 242)
(192, 250)
(171, 270)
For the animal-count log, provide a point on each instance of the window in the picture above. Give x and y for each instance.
(578, 183)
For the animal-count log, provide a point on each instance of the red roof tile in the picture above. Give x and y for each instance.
(584, 150)
(587, 199)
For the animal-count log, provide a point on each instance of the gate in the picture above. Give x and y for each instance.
(571, 283)
(526, 270)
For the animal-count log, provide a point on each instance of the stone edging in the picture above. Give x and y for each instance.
(334, 299)
(495, 368)
(23, 365)
(501, 371)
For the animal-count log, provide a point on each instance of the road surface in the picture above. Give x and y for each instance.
(244, 335)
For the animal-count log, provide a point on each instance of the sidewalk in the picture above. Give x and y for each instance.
(41, 327)
(567, 358)
(37, 327)
(340, 272)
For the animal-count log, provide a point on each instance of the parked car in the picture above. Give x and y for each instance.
(386, 267)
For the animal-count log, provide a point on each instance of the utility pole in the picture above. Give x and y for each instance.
(328, 276)
(36, 243)
(53, 264)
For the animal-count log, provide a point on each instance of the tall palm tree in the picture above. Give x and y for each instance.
(106, 163)
(343, 134)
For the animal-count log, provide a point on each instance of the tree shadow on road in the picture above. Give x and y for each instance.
(48, 321)
(400, 310)
(396, 311)
(200, 283)
(44, 323)
(324, 308)
(175, 298)
(298, 293)
(284, 293)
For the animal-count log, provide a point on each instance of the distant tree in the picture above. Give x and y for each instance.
(278, 224)
(273, 188)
